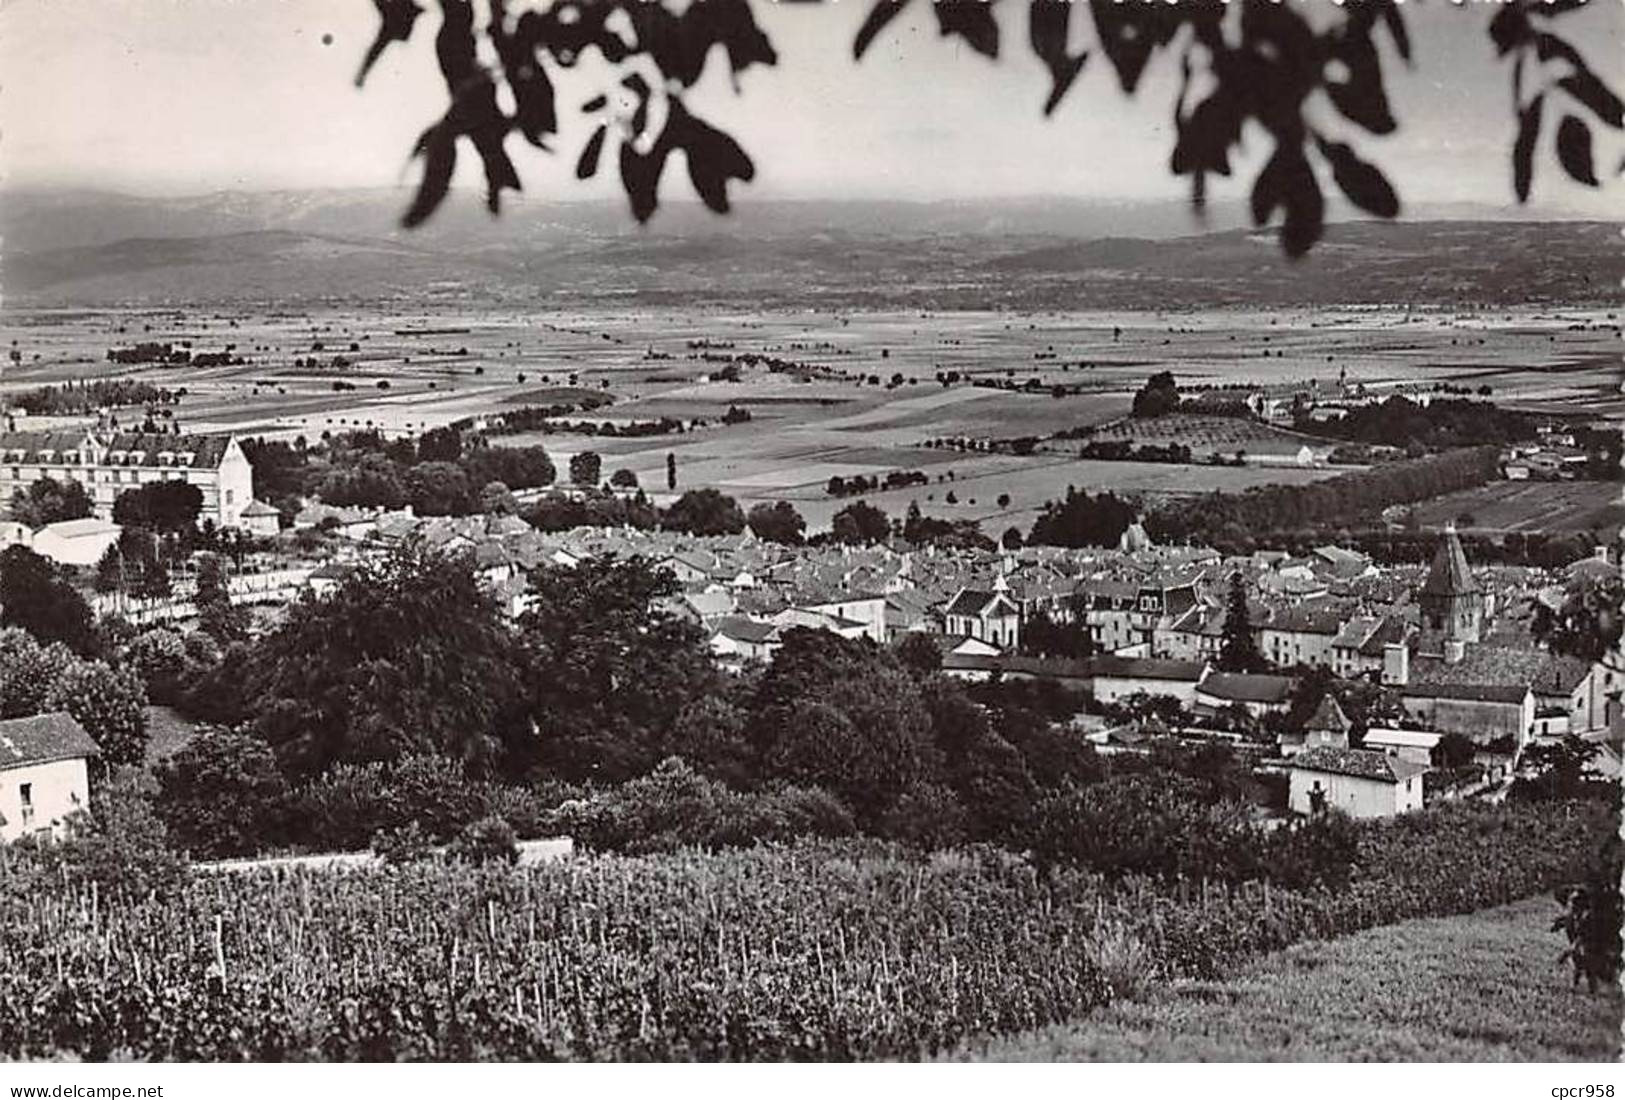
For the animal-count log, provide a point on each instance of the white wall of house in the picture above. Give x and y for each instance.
(1355, 795)
(1114, 689)
(870, 611)
(38, 797)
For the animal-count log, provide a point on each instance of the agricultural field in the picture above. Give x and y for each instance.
(1529, 506)
(857, 392)
(1477, 988)
(1205, 435)
(829, 951)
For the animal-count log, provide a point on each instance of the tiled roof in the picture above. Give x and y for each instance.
(1357, 762)
(1329, 716)
(1146, 668)
(42, 739)
(1306, 620)
(206, 450)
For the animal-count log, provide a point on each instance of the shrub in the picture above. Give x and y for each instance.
(1121, 957)
(223, 795)
(488, 840)
(409, 843)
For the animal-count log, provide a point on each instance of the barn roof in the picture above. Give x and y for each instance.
(1248, 687)
(42, 739)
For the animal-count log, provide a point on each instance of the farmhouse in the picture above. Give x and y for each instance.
(259, 518)
(44, 773)
(1117, 678)
(1359, 783)
(1258, 694)
(108, 463)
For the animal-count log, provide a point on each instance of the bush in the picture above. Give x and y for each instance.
(675, 807)
(488, 840)
(1121, 957)
(409, 843)
(223, 795)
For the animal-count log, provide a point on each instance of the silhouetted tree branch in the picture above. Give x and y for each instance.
(1252, 61)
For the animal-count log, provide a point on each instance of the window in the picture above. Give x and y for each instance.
(26, 791)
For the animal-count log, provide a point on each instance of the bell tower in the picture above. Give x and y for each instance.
(1452, 603)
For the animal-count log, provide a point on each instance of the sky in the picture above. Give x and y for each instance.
(190, 96)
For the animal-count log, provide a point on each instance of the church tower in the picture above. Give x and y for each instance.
(1452, 603)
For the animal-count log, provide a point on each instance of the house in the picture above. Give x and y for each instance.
(76, 541)
(1328, 727)
(1257, 693)
(1357, 782)
(990, 616)
(108, 463)
(1110, 611)
(1302, 634)
(1008, 666)
(737, 640)
(870, 610)
(259, 518)
(1360, 645)
(1484, 712)
(44, 773)
(1117, 678)
(1414, 745)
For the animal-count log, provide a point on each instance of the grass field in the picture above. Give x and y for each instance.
(863, 398)
(1481, 987)
(1529, 506)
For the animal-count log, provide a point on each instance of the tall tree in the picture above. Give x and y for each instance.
(217, 615)
(671, 472)
(704, 512)
(860, 523)
(409, 654)
(163, 506)
(34, 597)
(777, 522)
(586, 468)
(1238, 648)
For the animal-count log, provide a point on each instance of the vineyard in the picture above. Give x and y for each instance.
(809, 952)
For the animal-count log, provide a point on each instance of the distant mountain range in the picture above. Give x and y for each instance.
(93, 248)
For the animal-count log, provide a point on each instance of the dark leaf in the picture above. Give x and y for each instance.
(535, 114)
(1574, 150)
(971, 20)
(713, 157)
(596, 103)
(1305, 208)
(1549, 47)
(1523, 149)
(395, 19)
(454, 44)
(587, 165)
(640, 176)
(1206, 136)
(730, 22)
(438, 147)
(1047, 26)
(881, 14)
(1394, 20)
(1509, 29)
(1363, 183)
(1130, 32)
(1584, 86)
(1361, 99)
(1269, 188)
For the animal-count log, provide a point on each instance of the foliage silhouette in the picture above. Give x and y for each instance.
(1262, 62)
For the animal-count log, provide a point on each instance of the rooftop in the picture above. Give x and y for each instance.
(42, 739)
(1357, 762)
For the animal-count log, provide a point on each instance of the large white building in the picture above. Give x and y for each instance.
(110, 463)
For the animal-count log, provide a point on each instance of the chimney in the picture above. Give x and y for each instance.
(1396, 665)
(1454, 650)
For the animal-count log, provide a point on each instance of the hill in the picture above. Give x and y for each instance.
(87, 248)
(1480, 987)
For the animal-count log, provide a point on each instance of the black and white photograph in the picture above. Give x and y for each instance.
(839, 531)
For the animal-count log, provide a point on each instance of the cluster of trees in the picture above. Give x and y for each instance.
(858, 484)
(531, 418)
(1084, 520)
(150, 352)
(1441, 424)
(1237, 521)
(50, 500)
(1158, 397)
(442, 472)
(1122, 450)
(75, 398)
